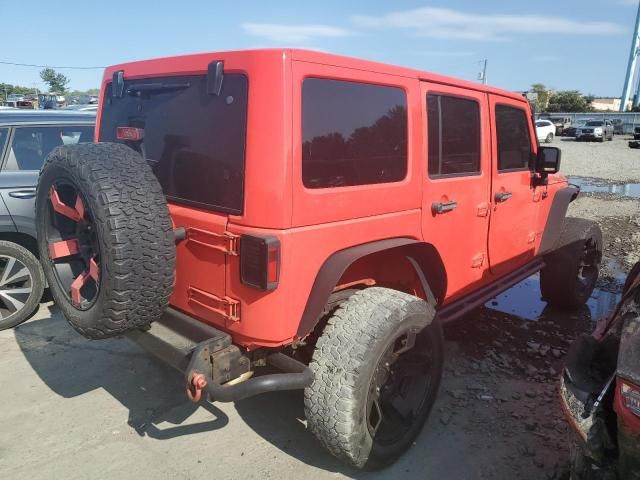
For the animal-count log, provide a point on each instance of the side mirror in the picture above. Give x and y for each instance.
(548, 160)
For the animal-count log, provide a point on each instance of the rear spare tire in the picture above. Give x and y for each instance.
(571, 270)
(105, 238)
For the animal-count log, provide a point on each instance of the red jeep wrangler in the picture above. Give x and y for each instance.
(317, 214)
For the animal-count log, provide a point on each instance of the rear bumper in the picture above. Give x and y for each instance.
(212, 364)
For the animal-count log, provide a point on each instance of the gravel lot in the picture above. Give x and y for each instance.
(77, 409)
(613, 161)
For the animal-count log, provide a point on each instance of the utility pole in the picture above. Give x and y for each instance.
(482, 76)
(631, 66)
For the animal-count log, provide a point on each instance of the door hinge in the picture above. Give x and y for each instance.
(483, 209)
(226, 242)
(478, 260)
(227, 307)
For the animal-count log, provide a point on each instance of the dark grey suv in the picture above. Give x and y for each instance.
(26, 138)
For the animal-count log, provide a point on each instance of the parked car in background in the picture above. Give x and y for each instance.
(561, 123)
(545, 131)
(26, 138)
(600, 392)
(571, 131)
(600, 130)
(636, 133)
(618, 126)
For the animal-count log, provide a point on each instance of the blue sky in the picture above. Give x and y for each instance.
(565, 44)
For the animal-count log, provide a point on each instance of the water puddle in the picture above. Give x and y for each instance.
(594, 185)
(523, 300)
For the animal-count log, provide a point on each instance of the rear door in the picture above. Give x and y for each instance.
(27, 148)
(456, 183)
(195, 143)
(512, 234)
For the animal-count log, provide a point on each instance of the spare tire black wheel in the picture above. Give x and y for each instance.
(105, 238)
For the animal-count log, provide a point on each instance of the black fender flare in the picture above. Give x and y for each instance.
(334, 267)
(555, 219)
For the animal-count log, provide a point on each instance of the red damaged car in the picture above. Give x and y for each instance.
(600, 392)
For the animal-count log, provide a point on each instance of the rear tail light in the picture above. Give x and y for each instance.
(631, 397)
(260, 261)
(131, 134)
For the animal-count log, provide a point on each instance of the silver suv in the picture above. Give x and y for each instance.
(26, 138)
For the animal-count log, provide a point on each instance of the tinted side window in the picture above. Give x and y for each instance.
(31, 145)
(352, 133)
(453, 135)
(514, 144)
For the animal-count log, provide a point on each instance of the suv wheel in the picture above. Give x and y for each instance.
(105, 238)
(21, 284)
(571, 270)
(377, 370)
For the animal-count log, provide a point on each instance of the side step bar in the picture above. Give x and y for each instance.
(208, 359)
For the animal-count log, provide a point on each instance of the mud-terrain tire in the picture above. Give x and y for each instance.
(124, 226)
(17, 307)
(571, 270)
(355, 376)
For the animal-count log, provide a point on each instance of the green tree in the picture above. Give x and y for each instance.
(543, 95)
(570, 101)
(57, 82)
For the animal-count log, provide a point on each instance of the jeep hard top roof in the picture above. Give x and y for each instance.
(193, 63)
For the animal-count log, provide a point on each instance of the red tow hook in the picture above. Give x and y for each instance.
(195, 386)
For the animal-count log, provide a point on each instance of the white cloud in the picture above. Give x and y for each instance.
(448, 23)
(293, 33)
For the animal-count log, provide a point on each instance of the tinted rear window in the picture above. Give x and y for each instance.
(352, 133)
(453, 135)
(194, 141)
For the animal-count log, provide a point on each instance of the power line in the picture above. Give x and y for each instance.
(50, 66)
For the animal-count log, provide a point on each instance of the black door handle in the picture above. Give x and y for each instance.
(443, 207)
(502, 196)
(23, 193)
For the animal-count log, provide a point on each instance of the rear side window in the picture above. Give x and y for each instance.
(352, 133)
(31, 145)
(453, 135)
(514, 143)
(194, 141)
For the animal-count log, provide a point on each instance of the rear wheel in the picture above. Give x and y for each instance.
(21, 284)
(105, 238)
(377, 371)
(571, 270)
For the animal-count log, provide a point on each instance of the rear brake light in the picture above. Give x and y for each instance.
(260, 261)
(129, 133)
(631, 398)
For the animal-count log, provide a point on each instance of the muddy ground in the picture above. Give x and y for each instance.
(77, 409)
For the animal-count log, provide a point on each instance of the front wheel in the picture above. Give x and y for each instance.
(549, 138)
(21, 284)
(571, 270)
(377, 368)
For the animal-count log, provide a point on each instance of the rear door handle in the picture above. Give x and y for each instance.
(30, 193)
(502, 196)
(443, 207)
